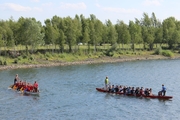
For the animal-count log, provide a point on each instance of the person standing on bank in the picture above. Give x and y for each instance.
(163, 90)
(106, 82)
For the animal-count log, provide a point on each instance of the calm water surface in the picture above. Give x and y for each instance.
(68, 92)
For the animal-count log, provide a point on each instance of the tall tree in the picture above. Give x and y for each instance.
(95, 27)
(170, 32)
(86, 38)
(78, 31)
(61, 41)
(6, 35)
(104, 35)
(85, 31)
(123, 33)
(156, 24)
(48, 31)
(31, 33)
(147, 30)
(92, 34)
(51, 32)
(98, 31)
(70, 33)
(111, 32)
(158, 36)
(135, 32)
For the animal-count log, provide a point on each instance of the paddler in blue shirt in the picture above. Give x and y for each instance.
(106, 82)
(163, 90)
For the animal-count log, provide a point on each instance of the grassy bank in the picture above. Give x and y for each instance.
(56, 59)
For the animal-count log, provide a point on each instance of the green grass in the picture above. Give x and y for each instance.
(49, 57)
(79, 54)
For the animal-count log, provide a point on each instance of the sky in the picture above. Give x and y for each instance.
(112, 10)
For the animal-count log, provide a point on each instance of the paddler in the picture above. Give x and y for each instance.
(35, 86)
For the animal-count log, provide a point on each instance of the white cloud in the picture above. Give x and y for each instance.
(73, 5)
(18, 8)
(35, 0)
(152, 2)
(97, 5)
(37, 9)
(15, 7)
(47, 4)
(118, 10)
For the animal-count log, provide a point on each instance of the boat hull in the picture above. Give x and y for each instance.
(30, 93)
(144, 96)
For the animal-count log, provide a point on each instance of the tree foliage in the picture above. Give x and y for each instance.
(30, 33)
(58, 31)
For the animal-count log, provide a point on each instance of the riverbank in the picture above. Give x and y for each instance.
(88, 61)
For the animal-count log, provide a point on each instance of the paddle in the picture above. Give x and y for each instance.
(10, 87)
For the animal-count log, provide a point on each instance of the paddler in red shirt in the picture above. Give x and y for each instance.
(35, 86)
(28, 87)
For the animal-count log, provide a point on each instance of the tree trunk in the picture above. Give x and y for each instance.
(26, 50)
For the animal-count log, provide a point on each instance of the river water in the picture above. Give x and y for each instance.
(68, 92)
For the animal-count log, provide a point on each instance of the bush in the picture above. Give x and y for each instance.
(158, 51)
(19, 58)
(40, 55)
(31, 58)
(102, 54)
(113, 48)
(121, 52)
(48, 55)
(80, 52)
(5, 63)
(1, 62)
(167, 53)
(110, 54)
(61, 55)
(25, 56)
(89, 55)
(127, 52)
(15, 61)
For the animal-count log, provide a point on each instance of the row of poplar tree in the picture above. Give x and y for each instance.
(69, 31)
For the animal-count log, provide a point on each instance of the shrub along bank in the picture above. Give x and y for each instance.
(56, 59)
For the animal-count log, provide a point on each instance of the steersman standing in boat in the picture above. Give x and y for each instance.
(16, 79)
(106, 82)
(163, 90)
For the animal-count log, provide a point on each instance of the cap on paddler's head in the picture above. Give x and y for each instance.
(162, 84)
(106, 76)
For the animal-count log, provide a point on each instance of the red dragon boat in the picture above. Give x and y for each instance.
(144, 96)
